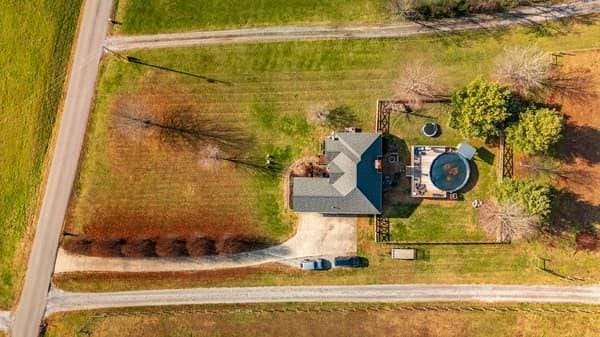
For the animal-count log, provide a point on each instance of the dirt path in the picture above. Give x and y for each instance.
(67, 301)
(316, 235)
(524, 15)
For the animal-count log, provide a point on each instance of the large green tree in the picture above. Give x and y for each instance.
(535, 197)
(536, 131)
(480, 108)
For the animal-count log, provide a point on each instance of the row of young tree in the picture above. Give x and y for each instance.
(163, 246)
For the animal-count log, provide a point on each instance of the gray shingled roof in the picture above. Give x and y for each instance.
(353, 186)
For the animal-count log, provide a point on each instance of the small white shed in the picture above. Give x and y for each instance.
(404, 253)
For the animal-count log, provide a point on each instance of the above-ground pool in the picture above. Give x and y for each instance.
(449, 172)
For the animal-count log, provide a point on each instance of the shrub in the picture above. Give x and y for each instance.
(200, 246)
(586, 241)
(428, 9)
(480, 109)
(166, 247)
(106, 248)
(80, 245)
(536, 131)
(533, 196)
(139, 248)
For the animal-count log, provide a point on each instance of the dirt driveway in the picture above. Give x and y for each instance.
(316, 235)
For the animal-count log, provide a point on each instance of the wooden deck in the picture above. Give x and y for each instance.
(421, 159)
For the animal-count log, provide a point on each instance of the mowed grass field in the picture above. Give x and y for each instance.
(35, 44)
(329, 319)
(162, 16)
(273, 84)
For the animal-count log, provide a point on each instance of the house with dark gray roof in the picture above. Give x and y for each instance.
(354, 184)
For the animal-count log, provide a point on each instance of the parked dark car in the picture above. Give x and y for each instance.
(350, 261)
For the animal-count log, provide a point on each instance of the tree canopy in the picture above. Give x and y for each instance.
(533, 196)
(536, 131)
(480, 109)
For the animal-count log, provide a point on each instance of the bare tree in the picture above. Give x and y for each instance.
(317, 113)
(418, 82)
(507, 221)
(525, 69)
(404, 8)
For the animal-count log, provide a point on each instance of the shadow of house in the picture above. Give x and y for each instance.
(397, 202)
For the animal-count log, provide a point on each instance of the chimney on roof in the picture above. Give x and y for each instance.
(379, 164)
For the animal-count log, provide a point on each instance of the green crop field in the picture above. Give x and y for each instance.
(329, 319)
(272, 90)
(161, 16)
(35, 44)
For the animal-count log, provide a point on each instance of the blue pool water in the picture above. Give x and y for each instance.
(449, 172)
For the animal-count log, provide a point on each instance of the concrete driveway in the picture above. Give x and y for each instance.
(316, 235)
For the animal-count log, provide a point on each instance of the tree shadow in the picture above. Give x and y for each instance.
(442, 29)
(576, 85)
(135, 60)
(579, 142)
(341, 117)
(473, 177)
(570, 213)
(486, 155)
(560, 20)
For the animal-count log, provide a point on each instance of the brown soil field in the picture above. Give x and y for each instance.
(167, 174)
(575, 169)
(580, 149)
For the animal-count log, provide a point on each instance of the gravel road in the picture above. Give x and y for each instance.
(67, 301)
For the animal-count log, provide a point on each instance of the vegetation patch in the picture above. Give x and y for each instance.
(36, 43)
(159, 16)
(333, 319)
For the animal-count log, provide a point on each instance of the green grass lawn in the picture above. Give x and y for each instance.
(420, 220)
(330, 319)
(35, 44)
(161, 16)
(273, 87)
